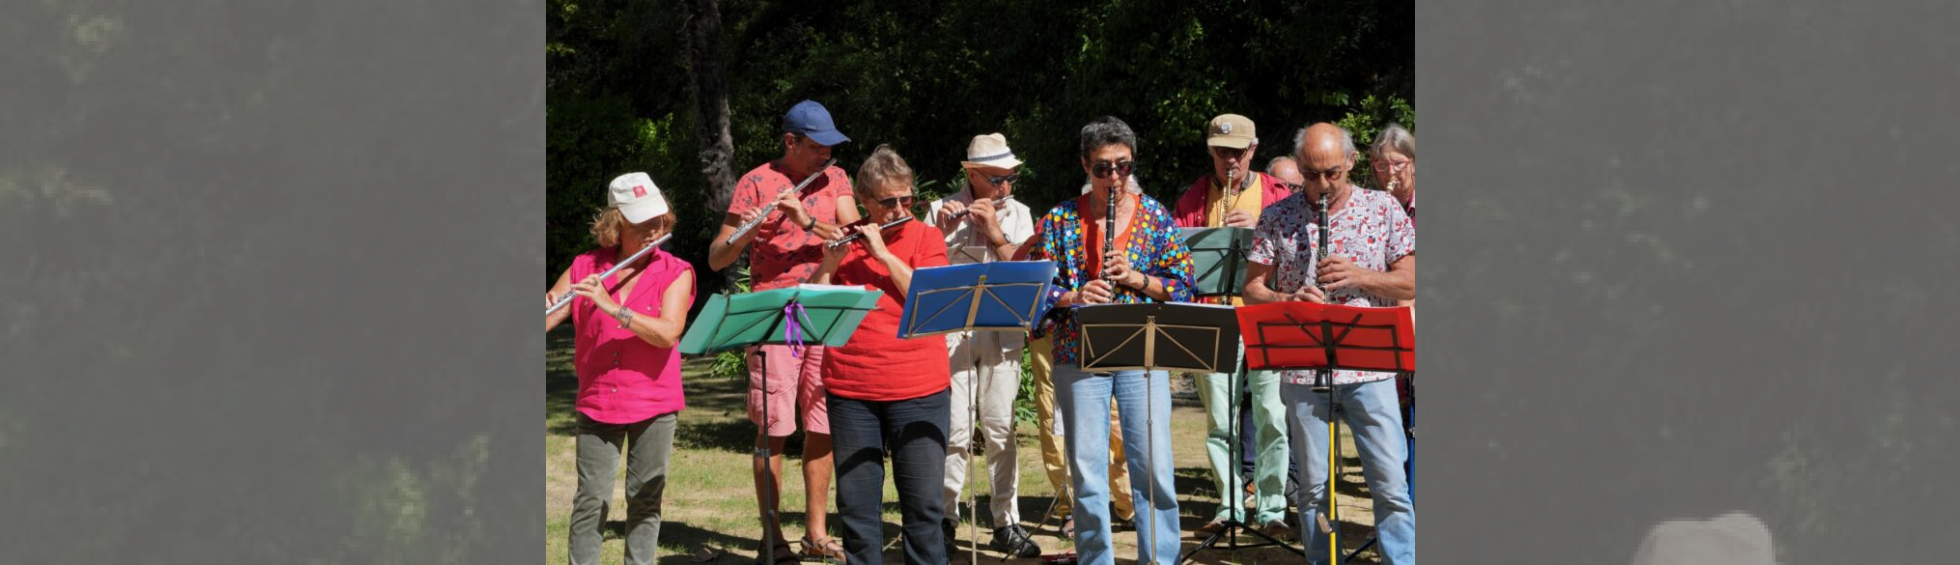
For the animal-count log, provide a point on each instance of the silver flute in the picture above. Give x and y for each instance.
(751, 224)
(860, 235)
(567, 298)
(1004, 200)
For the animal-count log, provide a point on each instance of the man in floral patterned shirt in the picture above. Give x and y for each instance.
(1370, 262)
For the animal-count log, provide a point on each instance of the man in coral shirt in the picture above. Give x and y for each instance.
(788, 247)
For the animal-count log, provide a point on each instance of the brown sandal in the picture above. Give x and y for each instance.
(828, 551)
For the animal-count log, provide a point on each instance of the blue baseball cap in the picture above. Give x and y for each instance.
(810, 119)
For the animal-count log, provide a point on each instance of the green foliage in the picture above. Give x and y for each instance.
(927, 77)
(1375, 113)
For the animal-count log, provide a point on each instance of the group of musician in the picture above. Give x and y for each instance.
(917, 403)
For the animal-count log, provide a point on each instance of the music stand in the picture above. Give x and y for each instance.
(1218, 255)
(826, 314)
(1002, 296)
(1324, 338)
(1189, 337)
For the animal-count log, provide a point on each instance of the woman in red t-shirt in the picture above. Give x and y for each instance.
(888, 396)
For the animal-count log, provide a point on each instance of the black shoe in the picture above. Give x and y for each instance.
(1121, 525)
(1013, 541)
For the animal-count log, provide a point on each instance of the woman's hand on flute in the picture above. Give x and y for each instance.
(874, 240)
(593, 288)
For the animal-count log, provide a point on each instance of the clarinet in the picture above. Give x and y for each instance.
(1109, 230)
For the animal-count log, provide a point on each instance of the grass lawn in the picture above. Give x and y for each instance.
(710, 498)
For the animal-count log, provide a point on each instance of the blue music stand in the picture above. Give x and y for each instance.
(998, 296)
(1002, 296)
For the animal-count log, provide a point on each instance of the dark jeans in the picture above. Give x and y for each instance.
(913, 431)
(650, 441)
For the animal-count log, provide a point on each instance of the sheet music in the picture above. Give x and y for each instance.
(810, 286)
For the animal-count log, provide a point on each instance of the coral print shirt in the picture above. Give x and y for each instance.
(875, 365)
(1370, 230)
(1150, 242)
(622, 379)
(784, 254)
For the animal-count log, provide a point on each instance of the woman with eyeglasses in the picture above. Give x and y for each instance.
(1394, 159)
(887, 396)
(1147, 263)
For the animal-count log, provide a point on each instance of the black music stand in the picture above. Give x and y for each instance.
(1002, 296)
(1323, 338)
(1152, 337)
(826, 314)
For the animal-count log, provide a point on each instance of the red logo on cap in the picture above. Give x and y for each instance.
(639, 191)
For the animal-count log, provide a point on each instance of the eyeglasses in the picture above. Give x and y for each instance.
(1329, 174)
(896, 201)
(1389, 166)
(1295, 187)
(1122, 169)
(1016, 177)
(1229, 153)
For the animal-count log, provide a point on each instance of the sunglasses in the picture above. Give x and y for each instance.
(1329, 174)
(1016, 177)
(1103, 169)
(1229, 153)
(896, 201)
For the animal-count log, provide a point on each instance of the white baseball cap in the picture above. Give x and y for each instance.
(636, 197)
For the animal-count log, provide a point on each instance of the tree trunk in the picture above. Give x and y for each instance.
(706, 69)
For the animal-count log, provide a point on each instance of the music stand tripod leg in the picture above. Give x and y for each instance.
(1229, 533)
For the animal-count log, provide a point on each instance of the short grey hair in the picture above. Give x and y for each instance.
(1347, 141)
(1107, 130)
(1394, 137)
(1274, 164)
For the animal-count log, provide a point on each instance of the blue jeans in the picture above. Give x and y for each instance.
(1374, 415)
(914, 432)
(1147, 444)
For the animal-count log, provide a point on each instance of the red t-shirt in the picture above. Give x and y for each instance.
(876, 365)
(783, 253)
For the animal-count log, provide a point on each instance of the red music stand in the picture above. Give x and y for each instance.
(1323, 338)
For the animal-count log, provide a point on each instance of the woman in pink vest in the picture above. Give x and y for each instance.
(629, 374)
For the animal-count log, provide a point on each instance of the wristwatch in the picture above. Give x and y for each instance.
(812, 224)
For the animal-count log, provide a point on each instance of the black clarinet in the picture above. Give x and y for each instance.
(1109, 231)
(1320, 228)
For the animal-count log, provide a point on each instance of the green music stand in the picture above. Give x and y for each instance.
(808, 313)
(1219, 257)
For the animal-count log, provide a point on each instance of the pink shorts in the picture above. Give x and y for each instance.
(795, 387)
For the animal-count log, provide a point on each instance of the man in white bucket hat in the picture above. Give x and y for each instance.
(982, 226)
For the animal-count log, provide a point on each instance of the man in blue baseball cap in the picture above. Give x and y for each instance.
(788, 247)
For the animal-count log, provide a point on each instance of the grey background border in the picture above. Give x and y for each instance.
(1686, 259)
(262, 269)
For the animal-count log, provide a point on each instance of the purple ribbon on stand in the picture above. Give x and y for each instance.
(793, 331)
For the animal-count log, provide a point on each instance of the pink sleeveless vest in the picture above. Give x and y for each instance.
(621, 378)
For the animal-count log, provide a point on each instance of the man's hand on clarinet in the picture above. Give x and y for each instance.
(1337, 272)
(1307, 293)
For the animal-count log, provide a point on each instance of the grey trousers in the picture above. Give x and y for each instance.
(650, 442)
